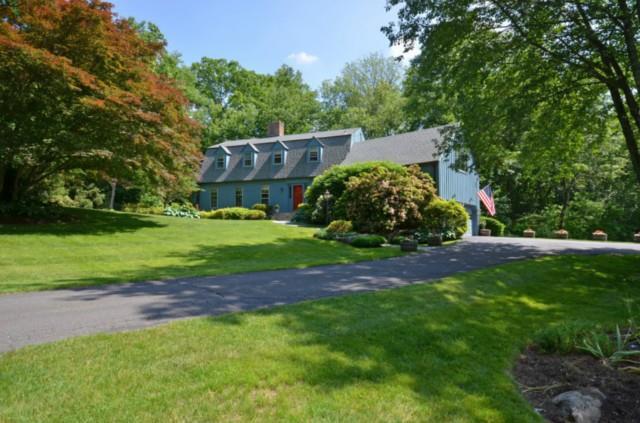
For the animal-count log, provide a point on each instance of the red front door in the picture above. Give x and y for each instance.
(298, 196)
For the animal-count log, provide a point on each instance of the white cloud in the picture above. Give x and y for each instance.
(302, 58)
(397, 50)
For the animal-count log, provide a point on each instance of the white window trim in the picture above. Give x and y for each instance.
(268, 189)
(224, 162)
(214, 191)
(314, 148)
(244, 159)
(282, 157)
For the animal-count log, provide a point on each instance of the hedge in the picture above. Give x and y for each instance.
(496, 227)
(234, 213)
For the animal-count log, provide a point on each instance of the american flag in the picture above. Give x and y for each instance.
(486, 196)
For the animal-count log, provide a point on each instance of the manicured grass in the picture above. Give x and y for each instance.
(437, 352)
(106, 247)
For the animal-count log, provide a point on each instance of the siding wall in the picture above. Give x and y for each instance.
(461, 186)
(279, 193)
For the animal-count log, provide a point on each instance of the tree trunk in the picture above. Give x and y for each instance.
(9, 192)
(113, 194)
(627, 129)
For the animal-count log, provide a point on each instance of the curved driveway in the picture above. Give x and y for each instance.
(39, 317)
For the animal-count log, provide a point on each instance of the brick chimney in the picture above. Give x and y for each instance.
(275, 129)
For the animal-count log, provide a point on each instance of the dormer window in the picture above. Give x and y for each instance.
(279, 153)
(247, 159)
(220, 162)
(314, 153)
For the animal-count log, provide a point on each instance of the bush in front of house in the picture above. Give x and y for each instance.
(235, 213)
(302, 214)
(260, 206)
(368, 241)
(496, 227)
(181, 210)
(447, 218)
(340, 227)
(387, 200)
(334, 181)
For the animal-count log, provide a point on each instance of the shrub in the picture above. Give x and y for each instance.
(386, 200)
(235, 213)
(334, 181)
(137, 208)
(446, 217)
(324, 234)
(340, 227)
(260, 206)
(323, 209)
(181, 210)
(302, 214)
(368, 241)
(496, 227)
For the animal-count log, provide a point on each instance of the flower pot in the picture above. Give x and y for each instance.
(434, 240)
(409, 245)
(599, 236)
(529, 233)
(561, 234)
(485, 232)
(636, 237)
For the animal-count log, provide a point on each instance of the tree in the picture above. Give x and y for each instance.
(585, 42)
(367, 94)
(243, 102)
(79, 92)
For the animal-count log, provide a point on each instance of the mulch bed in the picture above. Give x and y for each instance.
(543, 376)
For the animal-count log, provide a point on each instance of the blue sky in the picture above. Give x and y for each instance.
(316, 37)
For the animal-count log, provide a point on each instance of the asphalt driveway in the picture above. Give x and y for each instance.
(39, 317)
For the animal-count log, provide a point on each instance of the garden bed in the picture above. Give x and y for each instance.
(543, 376)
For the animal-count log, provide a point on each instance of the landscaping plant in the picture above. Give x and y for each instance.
(447, 218)
(386, 201)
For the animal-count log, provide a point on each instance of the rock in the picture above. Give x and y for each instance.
(581, 406)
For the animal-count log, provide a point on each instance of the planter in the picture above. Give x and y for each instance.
(561, 234)
(485, 232)
(529, 233)
(409, 245)
(636, 237)
(434, 240)
(599, 236)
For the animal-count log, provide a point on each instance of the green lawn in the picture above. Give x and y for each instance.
(436, 352)
(107, 247)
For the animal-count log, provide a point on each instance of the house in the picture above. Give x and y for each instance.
(278, 169)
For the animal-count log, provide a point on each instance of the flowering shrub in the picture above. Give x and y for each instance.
(446, 218)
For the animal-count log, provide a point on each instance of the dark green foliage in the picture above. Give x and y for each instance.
(334, 181)
(563, 338)
(496, 227)
(445, 216)
(324, 234)
(235, 213)
(387, 200)
(368, 241)
(340, 227)
(302, 214)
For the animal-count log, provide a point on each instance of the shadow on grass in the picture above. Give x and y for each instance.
(85, 222)
(453, 343)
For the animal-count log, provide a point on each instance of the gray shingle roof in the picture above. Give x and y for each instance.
(409, 148)
(334, 150)
(292, 137)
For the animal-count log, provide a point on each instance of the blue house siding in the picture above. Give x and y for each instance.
(280, 192)
(461, 186)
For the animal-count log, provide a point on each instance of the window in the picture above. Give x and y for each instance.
(278, 157)
(314, 154)
(220, 162)
(238, 197)
(247, 159)
(214, 198)
(264, 195)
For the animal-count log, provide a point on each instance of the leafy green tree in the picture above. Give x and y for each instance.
(243, 102)
(367, 94)
(583, 42)
(79, 92)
